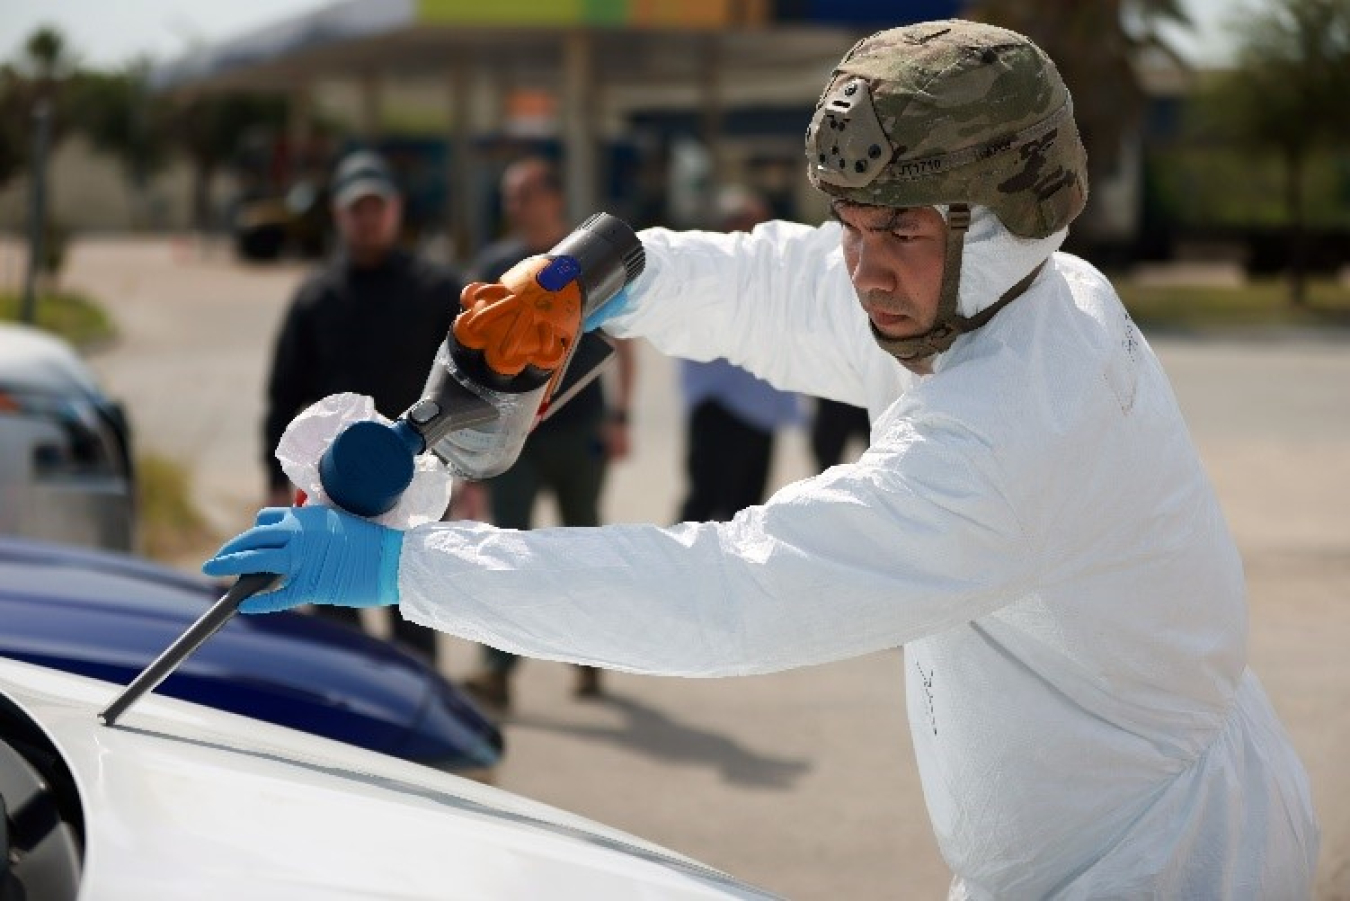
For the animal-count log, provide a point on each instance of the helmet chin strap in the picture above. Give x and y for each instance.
(950, 324)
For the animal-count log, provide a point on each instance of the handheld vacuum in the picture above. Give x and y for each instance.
(514, 354)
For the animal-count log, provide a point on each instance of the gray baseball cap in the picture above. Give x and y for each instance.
(363, 173)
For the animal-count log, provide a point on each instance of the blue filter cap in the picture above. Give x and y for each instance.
(367, 468)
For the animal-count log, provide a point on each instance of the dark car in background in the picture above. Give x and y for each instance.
(108, 615)
(297, 222)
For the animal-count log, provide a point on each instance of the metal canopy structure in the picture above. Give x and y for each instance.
(588, 52)
(417, 35)
(650, 57)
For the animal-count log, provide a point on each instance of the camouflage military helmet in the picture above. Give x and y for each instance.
(951, 112)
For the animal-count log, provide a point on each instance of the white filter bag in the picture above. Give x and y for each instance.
(310, 433)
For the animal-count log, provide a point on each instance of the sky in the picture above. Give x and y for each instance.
(106, 33)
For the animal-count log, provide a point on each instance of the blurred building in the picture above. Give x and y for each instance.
(89, 191)
(647, 104)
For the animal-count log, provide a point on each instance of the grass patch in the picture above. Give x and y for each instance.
(1260, 304)
(72, 316)
(172, 528)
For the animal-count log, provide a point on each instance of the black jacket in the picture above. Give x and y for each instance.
(372, 331)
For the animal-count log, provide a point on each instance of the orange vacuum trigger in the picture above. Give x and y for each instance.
(518, 323)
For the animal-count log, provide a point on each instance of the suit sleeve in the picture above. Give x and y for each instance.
(916, 538)
(776, 301)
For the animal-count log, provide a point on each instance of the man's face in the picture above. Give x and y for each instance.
(530, 203)
(894, 258)
(369, 225)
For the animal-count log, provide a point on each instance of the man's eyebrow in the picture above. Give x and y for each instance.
(899, 216)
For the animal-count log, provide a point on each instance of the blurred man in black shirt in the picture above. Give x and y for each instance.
(369, 322)
(568, 453)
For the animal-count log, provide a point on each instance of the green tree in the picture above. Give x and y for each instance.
(121, 117)
(1097, 46)
(1289, 94)
(124, 118)
(210, 131)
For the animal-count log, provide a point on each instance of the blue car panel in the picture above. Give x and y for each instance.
(107, 616)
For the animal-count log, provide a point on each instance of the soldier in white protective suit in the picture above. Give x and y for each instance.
(1031, 521)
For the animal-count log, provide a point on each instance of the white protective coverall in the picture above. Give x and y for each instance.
(1031, 522)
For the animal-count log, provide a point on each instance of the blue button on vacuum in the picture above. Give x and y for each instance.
(560, 271)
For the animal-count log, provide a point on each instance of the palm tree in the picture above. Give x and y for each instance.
(38, 74)
(46, 59)
(33, 92)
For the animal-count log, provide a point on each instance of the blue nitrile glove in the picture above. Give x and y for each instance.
(324, 556)
(613, 307)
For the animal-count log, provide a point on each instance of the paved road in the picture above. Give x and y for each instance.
(803, 782)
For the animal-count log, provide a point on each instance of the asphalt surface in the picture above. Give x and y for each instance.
(802, 782)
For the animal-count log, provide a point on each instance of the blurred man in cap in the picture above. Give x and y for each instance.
(568, 455)
(368, 321)
(367, 208)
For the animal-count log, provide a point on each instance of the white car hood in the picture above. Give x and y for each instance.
(184, 801)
